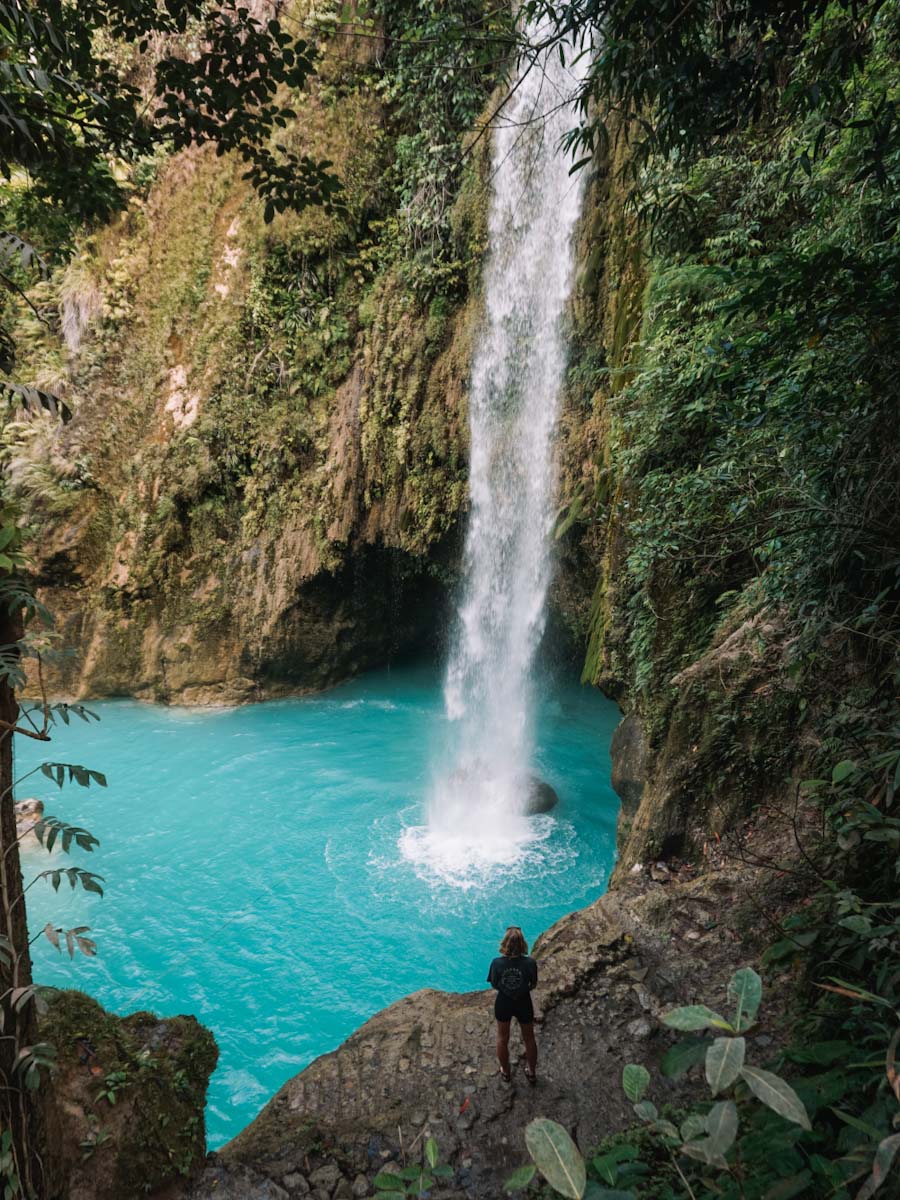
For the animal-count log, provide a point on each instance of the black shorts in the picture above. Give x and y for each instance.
(520, 1007)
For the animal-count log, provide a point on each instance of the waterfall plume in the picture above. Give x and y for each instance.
(481, 778)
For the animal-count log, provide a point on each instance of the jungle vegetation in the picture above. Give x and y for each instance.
(753, 435)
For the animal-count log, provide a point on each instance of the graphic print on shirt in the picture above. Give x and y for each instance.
(512, 981)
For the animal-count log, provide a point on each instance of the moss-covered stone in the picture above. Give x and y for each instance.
(124, 1109)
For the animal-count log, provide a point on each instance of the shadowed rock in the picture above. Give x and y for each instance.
(541, 797)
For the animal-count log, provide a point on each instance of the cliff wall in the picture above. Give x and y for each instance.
(261, 486)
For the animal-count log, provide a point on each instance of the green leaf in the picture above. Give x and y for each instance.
(635, 1081)
(695, 1016)
(704, 1151)
(745, 988)
(843, 770)
(646, 1110)
(682, 1056)
(692, 1126)
(607, 1165)
(520, 1178)
(857, 1123)
(722, 1125)
(776, 1094)
(666, 1128)
(556, 1157)
(724, 1060)
(857, 924)
(596, 1191)
(820, 1053)
(385, 1181)
(431, 1152)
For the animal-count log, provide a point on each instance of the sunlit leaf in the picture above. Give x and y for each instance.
(556, 1157)
(745, 988)
(724, 1060)
(776, 1094)
(695, 1016)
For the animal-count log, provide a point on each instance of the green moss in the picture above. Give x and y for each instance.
(158, 1070)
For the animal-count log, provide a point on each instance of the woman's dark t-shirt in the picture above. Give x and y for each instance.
(513, 977)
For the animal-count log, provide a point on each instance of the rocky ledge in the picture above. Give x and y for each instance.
(425, 1067)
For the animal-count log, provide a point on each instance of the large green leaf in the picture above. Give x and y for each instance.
(695, 1016)
(682, 1056)
(724, 1060)
(722, 1125)
(646, 1110)
(387, 1182)
(635, 1081)
(778, 1095)
(745, 987)
(607, 1165)
(556, 1157)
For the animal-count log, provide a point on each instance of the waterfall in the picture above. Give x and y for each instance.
(475, 810)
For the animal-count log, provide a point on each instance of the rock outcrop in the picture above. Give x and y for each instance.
(425, 1067)
(125, 1114)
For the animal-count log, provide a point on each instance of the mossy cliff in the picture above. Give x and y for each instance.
(261, 487)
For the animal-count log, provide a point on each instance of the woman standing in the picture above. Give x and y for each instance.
(513, 975)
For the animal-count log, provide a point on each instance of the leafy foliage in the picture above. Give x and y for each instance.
(441, 63)
(414, 1179)
(759, 1142)
(680, 79)
(75, 875)
(68, 104)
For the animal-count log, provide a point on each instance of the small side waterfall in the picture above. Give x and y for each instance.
(475, 811)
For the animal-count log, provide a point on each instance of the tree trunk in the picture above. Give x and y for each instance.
(18, 1111)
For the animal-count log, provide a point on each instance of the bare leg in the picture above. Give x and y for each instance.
(530, 1048)
(503, 1046)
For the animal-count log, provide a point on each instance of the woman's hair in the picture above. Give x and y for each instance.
(513, 943)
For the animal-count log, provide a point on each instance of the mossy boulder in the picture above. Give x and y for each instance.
(124, 1110)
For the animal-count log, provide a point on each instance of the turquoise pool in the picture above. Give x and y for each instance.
(255, 873)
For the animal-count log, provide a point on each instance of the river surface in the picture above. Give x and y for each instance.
(254, 870)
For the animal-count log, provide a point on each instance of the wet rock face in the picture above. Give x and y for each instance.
(628, 752)
(280, 626)
(542, 798)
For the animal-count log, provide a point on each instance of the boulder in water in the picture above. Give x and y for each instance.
(28, 813)
(541, 797)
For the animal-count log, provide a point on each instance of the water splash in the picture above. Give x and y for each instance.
(475, 811)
